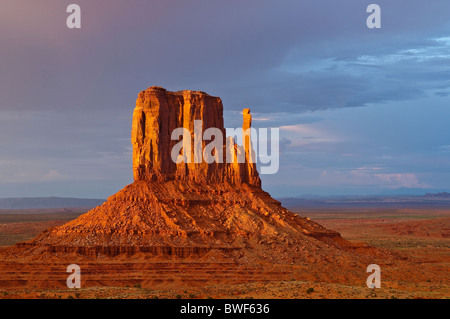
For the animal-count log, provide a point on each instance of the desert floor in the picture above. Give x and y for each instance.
(420, 233)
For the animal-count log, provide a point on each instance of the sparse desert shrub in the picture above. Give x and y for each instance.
(178, 296)
(309, 290)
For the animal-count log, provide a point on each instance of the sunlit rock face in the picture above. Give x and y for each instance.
(159, 112)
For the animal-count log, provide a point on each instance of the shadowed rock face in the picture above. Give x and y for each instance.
(158, 113)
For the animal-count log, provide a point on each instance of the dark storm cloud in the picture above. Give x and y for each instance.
(231, 49)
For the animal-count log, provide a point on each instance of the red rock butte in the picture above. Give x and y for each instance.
(158, 113)
(190, 209)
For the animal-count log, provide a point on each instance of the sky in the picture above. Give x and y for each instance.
(360, 111)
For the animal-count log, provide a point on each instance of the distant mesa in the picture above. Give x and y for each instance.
(48, 202)
(189, 210)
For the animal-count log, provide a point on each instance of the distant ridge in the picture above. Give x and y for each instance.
(48, 202)
(441, 200)
(441, 195)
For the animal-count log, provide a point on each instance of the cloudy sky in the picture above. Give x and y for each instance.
(360, 111)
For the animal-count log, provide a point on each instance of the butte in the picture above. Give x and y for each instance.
(194, 212)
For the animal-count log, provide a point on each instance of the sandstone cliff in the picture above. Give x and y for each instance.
(158, 113)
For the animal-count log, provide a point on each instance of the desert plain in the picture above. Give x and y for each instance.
(420, 238)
